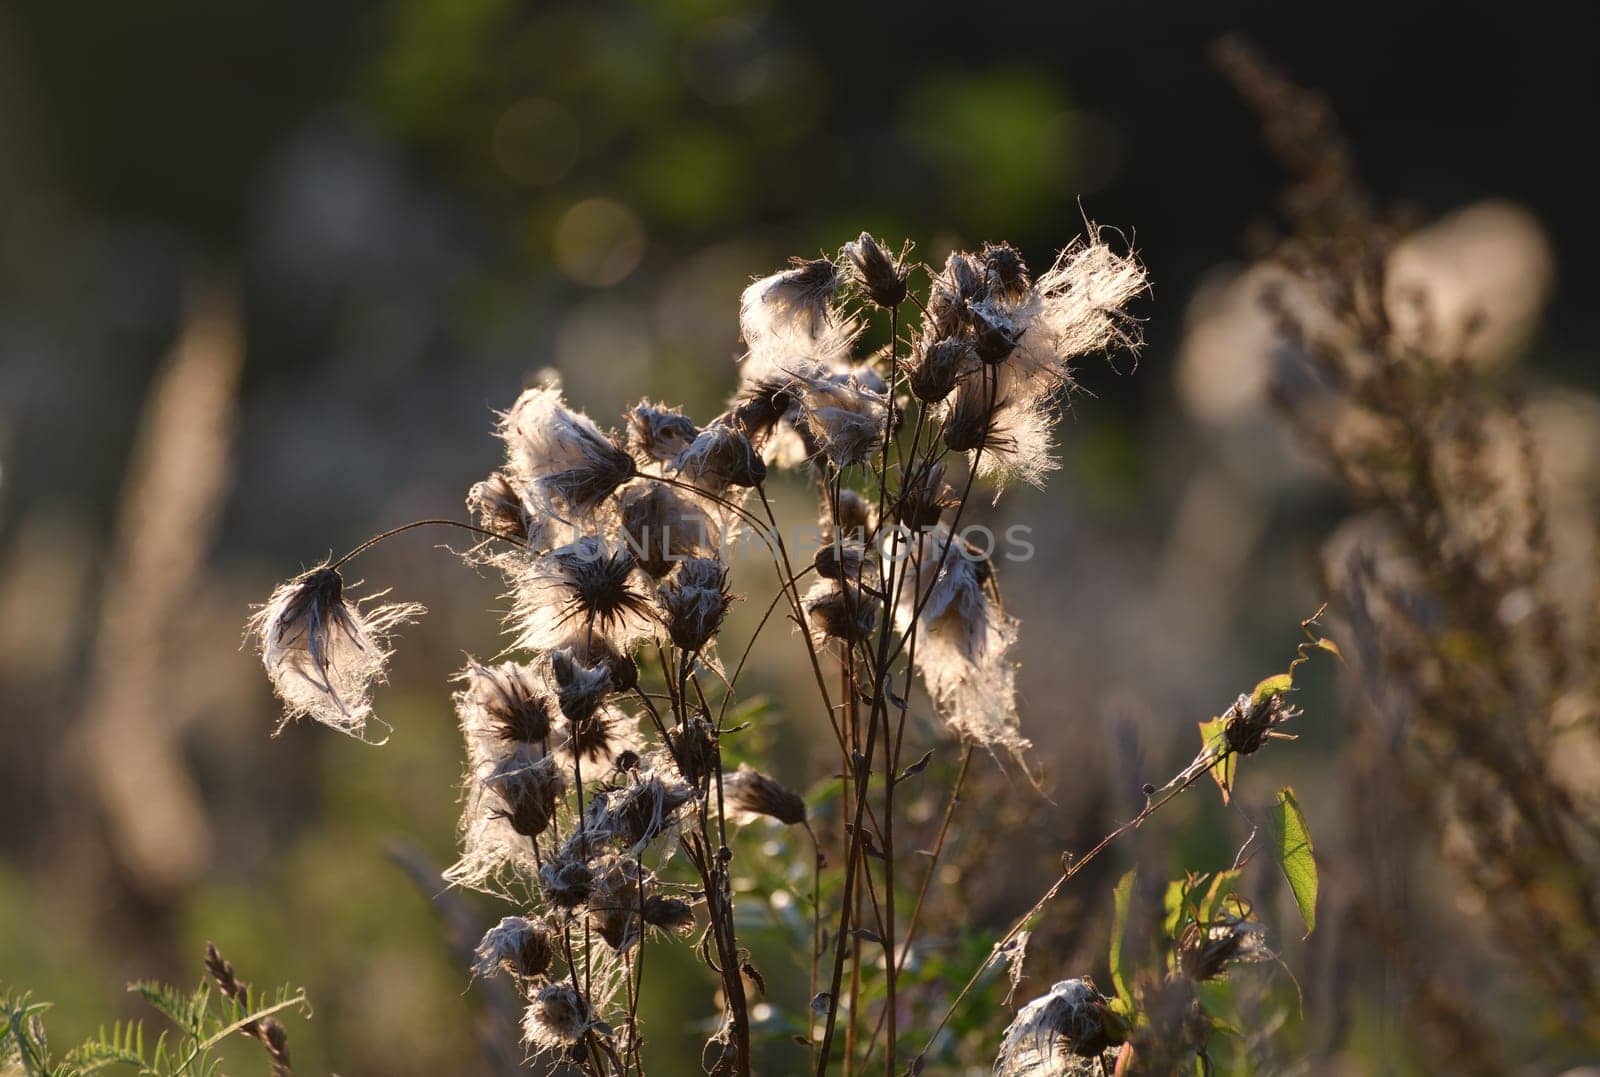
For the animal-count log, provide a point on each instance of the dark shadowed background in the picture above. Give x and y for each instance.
(267, 268)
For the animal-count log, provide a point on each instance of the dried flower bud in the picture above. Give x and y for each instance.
(962, 282)
(841, 559)
(696, 600)
(693, 746)
(495, 504)
(322, 652)
(1248, 723)
(556, 1018)
(1051, 1033)
(749, 793)
(529, 787)
(1006, 272)
(580, 689)
(517, 944)
(658, 434)
(719, 458)
(936, 367)
(881, 275)
(838, 610)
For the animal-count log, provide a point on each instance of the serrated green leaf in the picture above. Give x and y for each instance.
(1122, 897)
(1292, 845)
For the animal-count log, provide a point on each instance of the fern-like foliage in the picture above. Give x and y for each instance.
(202, 1019)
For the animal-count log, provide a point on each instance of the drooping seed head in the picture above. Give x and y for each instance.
(750, 793)
(839, 610)
(497, 506)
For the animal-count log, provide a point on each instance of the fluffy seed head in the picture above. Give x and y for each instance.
(669, 914)
(519, 945)
(1206, 950)
(614, 900)
(639, 811)
(880, 274)
(577, 588)
(937, 365)
(599, 740)
(556, 1018)
(790, 303)
(561, 455)
(847, 414)
(514, 705)
(661, 526)
(1007, 273)
(693, 746)
(721, 457)
(528, 788)
(750, 793)
(495, 504)
(323, 652)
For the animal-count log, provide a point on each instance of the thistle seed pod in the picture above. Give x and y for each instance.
(1206, 950)
(518, 945)
(1006, 272)
(529, 787)
(791, 303)
(669, 914)
(579, 588)
(937, 366)
(495, 504)
(841, 559)
(556, 1018)
(662, 526)
(838, 610)
(514, 705)
(657, 434)
(322, 652)
(562, 454)
(719, 458)
(881, 275)
(924, 499)
(749, 793)
(693, 746)
(695, 601)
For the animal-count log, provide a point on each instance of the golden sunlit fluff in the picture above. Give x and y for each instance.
(596, 796)
(323, 652)
(1059, 1034)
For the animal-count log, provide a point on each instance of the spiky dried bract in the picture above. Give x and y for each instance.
(721, 457)
(662, 526)
(1008, 277)
(556, 1018)
(657, 434)
(584, 586)
(561, 456)
(695, 600)
(323, 653)
(597, 741)
(750, 794)
(521, 946)
(839, 610)
(964, 650)
(1059, 1034)
(511, 702)
(881, 275)
(497, 506)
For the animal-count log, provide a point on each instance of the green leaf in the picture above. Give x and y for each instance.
(1293, 847)
(1122, 898)
(1213, 739)
(1275, 685)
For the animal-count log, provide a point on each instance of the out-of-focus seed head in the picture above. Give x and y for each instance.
(748, 792)
(838, 610)
(719, 458)
(1247, 723)
(495, 504)
(924, 499)
(841, 559)
(614, 900)
(695, 601)
(881, 275)
(657, 434)
(669, 914)
(937, 365)
(529, 787)
(518, 945)
(962, 282)
(856, 514)
(1050, 1034)
(1007, 273)
(661, 526)
(1206, 950)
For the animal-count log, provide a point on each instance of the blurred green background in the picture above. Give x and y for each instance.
(381, 219)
